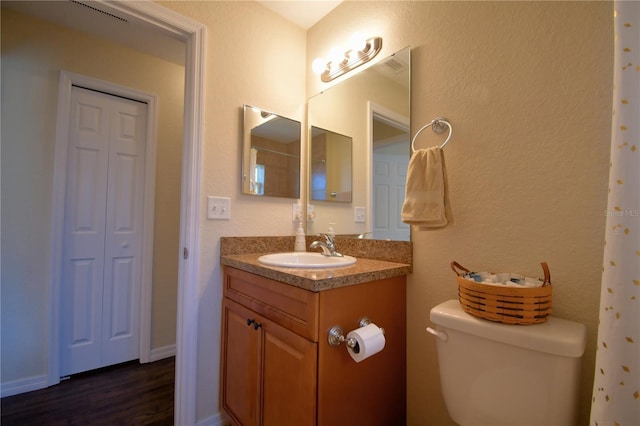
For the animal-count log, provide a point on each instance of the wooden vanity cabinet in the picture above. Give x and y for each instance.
(277, 368)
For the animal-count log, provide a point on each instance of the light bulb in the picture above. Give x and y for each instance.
(336, 56)
(318, 65)
(336, 66)
(357, 42)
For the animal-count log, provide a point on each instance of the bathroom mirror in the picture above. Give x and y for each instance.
(330, 170)
(270, 154)
(373, 107)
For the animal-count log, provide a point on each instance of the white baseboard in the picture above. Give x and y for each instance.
(24, 385)
(162, 353)
(40, 382)
(214, 420)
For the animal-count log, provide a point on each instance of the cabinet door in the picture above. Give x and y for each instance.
(289, 377)
(240, 358)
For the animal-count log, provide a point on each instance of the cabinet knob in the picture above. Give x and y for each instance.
(256, 325)
(250, 321)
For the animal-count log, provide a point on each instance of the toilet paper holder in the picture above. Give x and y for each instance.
(336, 334)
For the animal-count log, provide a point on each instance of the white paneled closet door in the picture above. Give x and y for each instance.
(100, 297)
(389, 180)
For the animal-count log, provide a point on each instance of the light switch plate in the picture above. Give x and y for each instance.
(218, 208)
(359, 215)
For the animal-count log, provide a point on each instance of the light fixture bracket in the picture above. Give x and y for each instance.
(352, 59)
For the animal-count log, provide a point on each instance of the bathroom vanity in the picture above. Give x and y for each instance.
(277, 367)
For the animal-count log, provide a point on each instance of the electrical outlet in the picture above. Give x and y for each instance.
(218, 208)
(359, 215)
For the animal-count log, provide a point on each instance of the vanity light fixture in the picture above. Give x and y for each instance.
(361, 52)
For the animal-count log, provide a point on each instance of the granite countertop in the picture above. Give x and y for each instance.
(234, 253)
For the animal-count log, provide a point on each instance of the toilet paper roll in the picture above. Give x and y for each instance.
(369, 341)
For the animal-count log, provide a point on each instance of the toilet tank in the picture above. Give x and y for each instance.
(497, 374)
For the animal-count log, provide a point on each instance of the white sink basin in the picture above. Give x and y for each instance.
(305, 260)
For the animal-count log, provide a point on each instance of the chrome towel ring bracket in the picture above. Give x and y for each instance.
(438, 125)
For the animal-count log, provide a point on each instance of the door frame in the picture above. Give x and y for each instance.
(67, 81)
(193, 34)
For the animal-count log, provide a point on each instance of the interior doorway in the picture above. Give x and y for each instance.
(192, 34)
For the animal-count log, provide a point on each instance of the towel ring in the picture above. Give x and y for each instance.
(438, 127)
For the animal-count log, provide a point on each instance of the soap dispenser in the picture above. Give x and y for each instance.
(300, 243)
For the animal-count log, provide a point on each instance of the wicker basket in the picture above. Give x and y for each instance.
(509, 305)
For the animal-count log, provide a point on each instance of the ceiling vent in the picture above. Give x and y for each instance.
(394, 65)
(79, 3)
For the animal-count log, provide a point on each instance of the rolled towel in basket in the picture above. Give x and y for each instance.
(426, 202)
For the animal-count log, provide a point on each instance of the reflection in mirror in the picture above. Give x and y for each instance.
(330, 166)
(270, 154)
(391, 151)
(373, 107)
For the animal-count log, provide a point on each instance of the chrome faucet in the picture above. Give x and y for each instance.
(328, 246)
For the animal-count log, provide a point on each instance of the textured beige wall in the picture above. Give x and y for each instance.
(33, 54)
(527, 87)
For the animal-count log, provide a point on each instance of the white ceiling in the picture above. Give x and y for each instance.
(304, 13)
(83, 15)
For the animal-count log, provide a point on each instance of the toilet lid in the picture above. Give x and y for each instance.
(555, 336)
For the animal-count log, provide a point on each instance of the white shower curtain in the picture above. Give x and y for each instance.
(616, 389)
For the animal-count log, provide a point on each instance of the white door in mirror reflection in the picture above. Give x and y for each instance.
(389, 179)
(390, 161)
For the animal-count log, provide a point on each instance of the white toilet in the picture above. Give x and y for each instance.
(495, 374)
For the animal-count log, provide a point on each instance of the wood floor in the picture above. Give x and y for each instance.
(126, 394)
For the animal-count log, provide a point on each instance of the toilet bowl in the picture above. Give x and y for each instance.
(496, 374)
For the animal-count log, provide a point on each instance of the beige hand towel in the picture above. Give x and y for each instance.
(426, 202)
